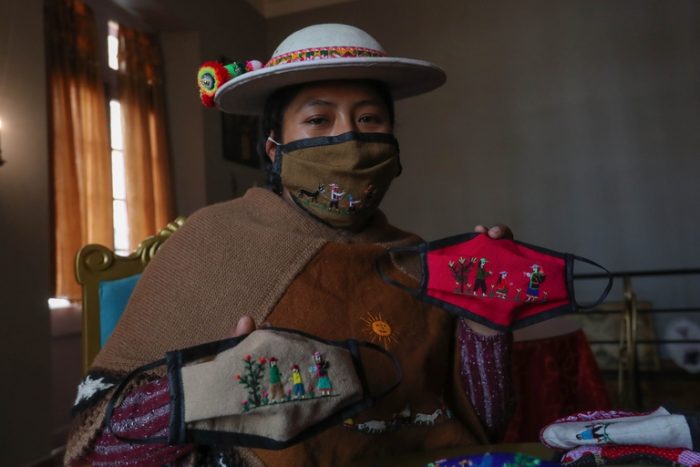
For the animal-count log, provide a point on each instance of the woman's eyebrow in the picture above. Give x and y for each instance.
(370, 101)
(318, 102)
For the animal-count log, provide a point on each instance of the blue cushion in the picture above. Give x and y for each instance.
(113, 298)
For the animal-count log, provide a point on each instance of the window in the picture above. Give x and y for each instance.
(121, 219)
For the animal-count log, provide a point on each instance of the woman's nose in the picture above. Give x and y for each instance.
(345, 125)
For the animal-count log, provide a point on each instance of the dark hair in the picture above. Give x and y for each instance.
(273, 116)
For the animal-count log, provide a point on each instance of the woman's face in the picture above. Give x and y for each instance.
(332, 108)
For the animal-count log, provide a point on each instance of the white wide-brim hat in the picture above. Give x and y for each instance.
(326, 52)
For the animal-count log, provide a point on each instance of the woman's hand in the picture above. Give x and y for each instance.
(495, 232)
(245, 325)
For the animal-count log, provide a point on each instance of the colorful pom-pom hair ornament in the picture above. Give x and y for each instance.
(212, 75)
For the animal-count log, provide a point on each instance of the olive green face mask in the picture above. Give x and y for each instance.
(339, 180)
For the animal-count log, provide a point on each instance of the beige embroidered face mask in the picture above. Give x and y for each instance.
(339, 180)
(269, 389)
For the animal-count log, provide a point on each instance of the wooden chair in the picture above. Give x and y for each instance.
(107, 280)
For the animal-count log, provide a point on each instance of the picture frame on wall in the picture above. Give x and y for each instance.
(240, 137)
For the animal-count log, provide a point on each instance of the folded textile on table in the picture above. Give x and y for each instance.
(624, 455)
(617, 437)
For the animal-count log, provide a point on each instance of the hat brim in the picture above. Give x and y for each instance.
(246, 94)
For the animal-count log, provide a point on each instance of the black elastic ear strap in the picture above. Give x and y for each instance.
(115, 397)
(605, 293)
(368, 399)
(408, 249)
(394, 361)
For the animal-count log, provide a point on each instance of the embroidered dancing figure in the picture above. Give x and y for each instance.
(460, 272)
(481, 273)
(336, 196)
(502, 285)
(276, 392)
(536, 278)
(353, 203)
(597, 432)
(320, 371)
(297, 383)
(251, 379)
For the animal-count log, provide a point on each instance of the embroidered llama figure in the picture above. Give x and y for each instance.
(312, 195)
(427, 418)
(372, 426)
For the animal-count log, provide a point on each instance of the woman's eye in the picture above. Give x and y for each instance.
(316, 120)
(373, 119)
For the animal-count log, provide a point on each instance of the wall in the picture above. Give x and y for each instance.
(24, 236)
(190, 38)
(573, 122)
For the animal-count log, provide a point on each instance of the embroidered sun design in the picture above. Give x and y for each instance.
(380, 330)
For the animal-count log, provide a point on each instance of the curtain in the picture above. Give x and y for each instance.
(80, 154)
(147, 171)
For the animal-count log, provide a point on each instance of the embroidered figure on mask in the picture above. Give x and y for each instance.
(460, 272)
(403, 417)
(501, 285)
(427, 418)
(312, 195)
(320, 371)
(597, 432)
(276, 389)
(353, 203)
(401, 420)
(297, 383)
(251, 380)
(370, 191)
(536, 278)
(336, 196)
(481, 273)
(372, 426)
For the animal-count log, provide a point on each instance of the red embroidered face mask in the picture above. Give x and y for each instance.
(502, 284)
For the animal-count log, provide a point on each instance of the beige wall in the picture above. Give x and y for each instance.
(574, 122)
(24, 236)
(237, 31)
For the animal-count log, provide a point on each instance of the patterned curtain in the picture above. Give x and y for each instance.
(80, 154)
(147, 170)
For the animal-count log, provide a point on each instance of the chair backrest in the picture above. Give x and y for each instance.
(107, 280)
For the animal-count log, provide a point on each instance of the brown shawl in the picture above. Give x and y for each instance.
(228, 260)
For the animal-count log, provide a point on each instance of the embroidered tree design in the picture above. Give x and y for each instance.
(460, 271)
(251, 379)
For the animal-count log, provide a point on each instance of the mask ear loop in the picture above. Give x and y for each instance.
(605, 293)
(420, 249)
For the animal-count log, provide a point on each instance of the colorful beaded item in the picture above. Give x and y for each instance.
(323, 53)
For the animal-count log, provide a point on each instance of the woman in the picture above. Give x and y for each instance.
(305, 259)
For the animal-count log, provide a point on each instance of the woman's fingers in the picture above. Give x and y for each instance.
(245, 325)
(495, 232)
